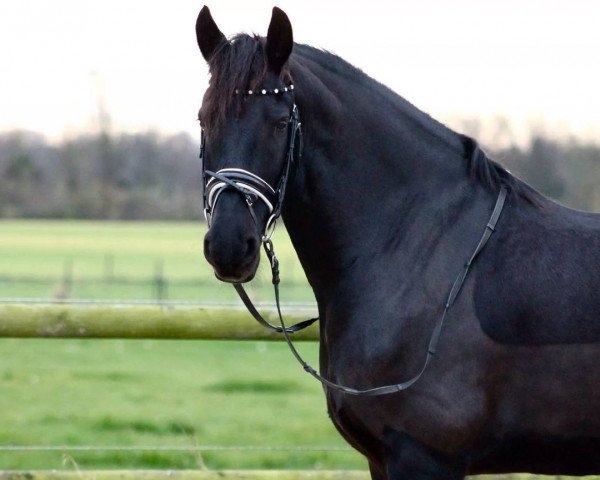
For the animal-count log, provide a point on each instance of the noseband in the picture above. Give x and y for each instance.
(253, 188)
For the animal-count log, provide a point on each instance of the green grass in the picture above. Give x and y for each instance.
(182, 393)
(119, 260)
(78, 392)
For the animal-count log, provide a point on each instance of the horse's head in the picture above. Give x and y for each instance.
(247, 121)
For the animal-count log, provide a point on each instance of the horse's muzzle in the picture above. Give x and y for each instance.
(234, 259)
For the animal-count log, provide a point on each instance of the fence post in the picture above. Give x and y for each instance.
(67, 280)
(160, 283)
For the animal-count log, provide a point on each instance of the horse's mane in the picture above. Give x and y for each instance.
(480, 167)
(240, 64)
(492, 175)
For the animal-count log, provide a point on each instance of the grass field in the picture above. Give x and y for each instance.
(169, 393)
(119, 260)
(77, 392)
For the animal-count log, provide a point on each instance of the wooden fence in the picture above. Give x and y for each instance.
(74, 321)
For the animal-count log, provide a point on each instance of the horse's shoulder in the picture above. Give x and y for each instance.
(537, 284)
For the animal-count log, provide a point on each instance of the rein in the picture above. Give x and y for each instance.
(254, 188)
(435, 335)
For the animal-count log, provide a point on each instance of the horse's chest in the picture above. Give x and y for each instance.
(355, 423)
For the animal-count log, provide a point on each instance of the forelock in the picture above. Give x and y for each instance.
(237, 64)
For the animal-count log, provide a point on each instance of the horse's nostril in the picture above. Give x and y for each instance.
(207, 247)
(251, 246)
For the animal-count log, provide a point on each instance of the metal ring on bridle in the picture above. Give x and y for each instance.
(269, 228)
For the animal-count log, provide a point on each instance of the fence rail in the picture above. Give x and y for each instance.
(175, 448)
(184, 475)
(140, 322)
(229, 475)
(156, 284)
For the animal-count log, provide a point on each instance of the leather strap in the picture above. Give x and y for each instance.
(435, 336)
(239, 288)
(260, 319)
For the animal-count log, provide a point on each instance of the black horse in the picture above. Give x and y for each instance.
(384, 208)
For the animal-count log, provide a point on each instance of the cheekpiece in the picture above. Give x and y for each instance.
(264, 91)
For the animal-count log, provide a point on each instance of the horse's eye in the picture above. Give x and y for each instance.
(281, 125)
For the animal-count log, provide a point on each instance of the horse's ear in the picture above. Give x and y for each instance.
(207, 33)
(280, 40)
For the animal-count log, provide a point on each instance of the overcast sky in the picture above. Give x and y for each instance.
(532, 61)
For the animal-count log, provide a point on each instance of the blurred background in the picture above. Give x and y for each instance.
(99, 103)
(100, 199)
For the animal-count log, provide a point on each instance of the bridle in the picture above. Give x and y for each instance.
(253, 188)
(250, 185)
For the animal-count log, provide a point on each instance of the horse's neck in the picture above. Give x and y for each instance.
(371, 169)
